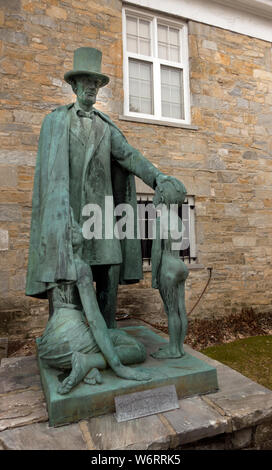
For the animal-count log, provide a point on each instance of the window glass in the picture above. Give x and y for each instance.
(172, 92)
(138, 36)
(140, 87)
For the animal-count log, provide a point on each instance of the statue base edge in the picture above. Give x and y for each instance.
(191, 376)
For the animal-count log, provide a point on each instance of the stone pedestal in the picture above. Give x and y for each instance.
(190, 375)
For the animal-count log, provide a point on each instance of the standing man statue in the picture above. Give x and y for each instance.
(82, 158)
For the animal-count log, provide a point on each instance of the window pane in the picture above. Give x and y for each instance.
(134, 69)
(144, 47)
(175, 111)
(134, 103)
(144, 35)
(144, 29)
(163, 51)
(165, 93)
(174, 36)
(163, 42)
(138, 36)
(145, 106)
(168, 43)
(132, 40)
(166, 111)
(174, 53)
(165, 75)
(140, 87)
(172, 92)
(144, 70)
(132, 45)
(135, 87)
(132, 25)
(145, 90)
(162, 33)
(174, 76)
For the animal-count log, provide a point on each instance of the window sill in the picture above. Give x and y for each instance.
(157, 122)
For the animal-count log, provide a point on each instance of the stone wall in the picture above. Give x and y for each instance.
(226, 164)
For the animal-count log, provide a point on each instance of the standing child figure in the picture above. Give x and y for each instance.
(169, 272)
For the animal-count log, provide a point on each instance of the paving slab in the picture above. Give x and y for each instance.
(147, 433)
(19, 374)
(41, 437)
(239, 405)
(246, 410)
(195, 420)
(190, 376)
(19, 409)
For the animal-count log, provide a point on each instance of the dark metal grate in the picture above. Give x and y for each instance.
(146, 243)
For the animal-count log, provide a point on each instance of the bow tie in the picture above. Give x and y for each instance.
(89, 114)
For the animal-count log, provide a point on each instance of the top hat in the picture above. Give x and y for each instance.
(87, 61)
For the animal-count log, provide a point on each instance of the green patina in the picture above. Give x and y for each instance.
(83, 158)
(190, 376)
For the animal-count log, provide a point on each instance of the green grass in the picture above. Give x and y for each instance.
(251, 357)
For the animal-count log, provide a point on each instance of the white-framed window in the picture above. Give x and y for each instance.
(156, 67)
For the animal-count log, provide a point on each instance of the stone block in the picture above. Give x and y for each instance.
(27, 116)
(236, 91)
(8, 176)
(4, 281)
(10, 213)
(139, 434)
(216, 163)
(40, 437)
(8, 67)
(242, 439)
(232, 131)
(194, 145)
(244, 241)
(210, 102)
(200, 29)
(43, 20)
(11, 5)
(19, 373)
(18, 282)
(209, 45)
(263, 436)
(17, 157)
(4, 240)
(250, 155)
(195, 420)
(246, 410)
(265, 119)
(262, 75)
(13, 37)
(221, 442)
(5, 116)
(22, 408)
(56, 12)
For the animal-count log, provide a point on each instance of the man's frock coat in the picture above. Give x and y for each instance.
(109, 166)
